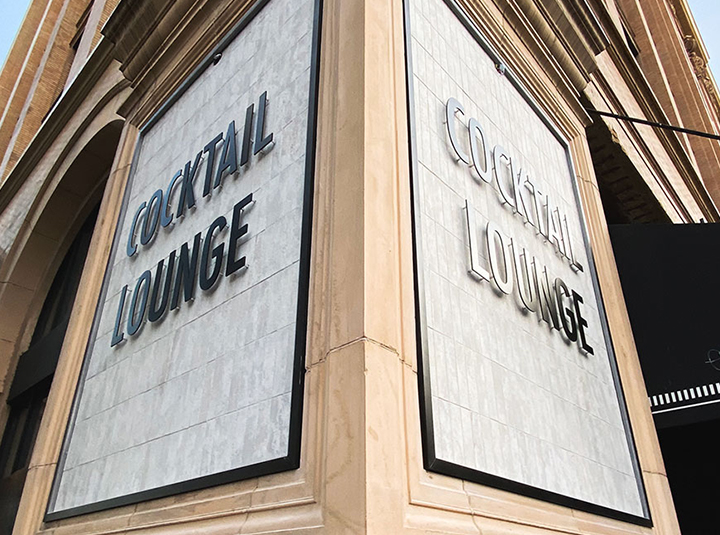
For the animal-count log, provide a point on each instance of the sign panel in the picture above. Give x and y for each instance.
(675, 328)
(194, 369)
(518, 382)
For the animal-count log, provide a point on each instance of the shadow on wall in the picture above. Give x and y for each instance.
(36, 301)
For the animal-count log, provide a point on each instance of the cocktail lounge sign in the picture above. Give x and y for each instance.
(511, 266)
(194, 369)
(153, 297)
(517, 376)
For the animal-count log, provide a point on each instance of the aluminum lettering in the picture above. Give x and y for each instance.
(513, 182)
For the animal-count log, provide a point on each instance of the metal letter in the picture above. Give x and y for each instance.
(539, 211)
(228, 162)
(131, 248)
(118, 335)
(208, 281)
(210, 149)
(261, 141)
(152, 217)
(504, 283)
(157, 312)
(135, 317)
(247, 135)
(582, 323)
(475, 268)
(519, 180)
(236, 232)
(570, 329)
(499, 155)
(165, 217)
(186, 272)
(554, 235)
(548, 304)
(452, 107)
(525, 278)
(534, 221)
(187, 193)
(484, 171)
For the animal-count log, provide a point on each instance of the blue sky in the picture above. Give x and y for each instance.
(707, 15)
(12, 13)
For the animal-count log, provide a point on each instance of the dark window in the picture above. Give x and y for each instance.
(21, 429)
(33, 377)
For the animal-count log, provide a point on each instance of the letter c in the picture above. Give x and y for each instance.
(131, 245)
(451, 108)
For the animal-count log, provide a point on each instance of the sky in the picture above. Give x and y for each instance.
(707, 15)
(12, 13)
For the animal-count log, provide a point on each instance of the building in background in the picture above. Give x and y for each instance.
(273, 266)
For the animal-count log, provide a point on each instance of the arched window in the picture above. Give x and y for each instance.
(31, 384)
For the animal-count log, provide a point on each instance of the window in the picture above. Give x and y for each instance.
(33, 377)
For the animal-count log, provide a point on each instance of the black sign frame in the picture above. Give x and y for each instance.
(292, 460)
(430, 460)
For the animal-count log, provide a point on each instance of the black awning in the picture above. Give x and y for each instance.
(670, 276)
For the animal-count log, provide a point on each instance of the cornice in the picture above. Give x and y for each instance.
(693, 47)
(686, 22)
(567, 29)
(63, 110)
(139, 30)
(160, 42)
(645, 97)
(576, 25)
(697, 53)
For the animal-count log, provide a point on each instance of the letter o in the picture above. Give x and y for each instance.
(152, 218)
(131, 248)
(474, 129)
(502, 274)
(135, 317)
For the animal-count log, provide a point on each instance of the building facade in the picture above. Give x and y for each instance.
(272, 266)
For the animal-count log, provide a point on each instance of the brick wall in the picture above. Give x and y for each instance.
(37, 67)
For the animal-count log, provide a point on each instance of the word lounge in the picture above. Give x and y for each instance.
(198, 262)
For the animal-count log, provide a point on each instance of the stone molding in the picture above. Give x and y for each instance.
(651, 109)
(53, 125)
(702, 72)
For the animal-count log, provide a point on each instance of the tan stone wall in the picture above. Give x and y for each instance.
(97, 14)
(41, 221)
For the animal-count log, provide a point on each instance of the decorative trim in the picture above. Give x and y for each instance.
(678, 398)
(645, 97)
(702, 72)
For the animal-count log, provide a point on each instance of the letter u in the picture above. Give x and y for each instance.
(157, 311)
